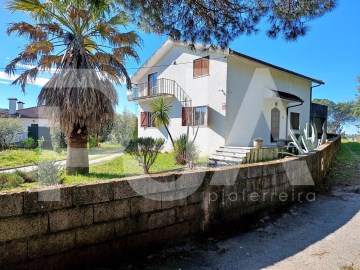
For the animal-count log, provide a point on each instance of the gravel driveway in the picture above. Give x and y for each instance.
(315, 235)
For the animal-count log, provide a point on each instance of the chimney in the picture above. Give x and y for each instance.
(20, 105)
(12, 105)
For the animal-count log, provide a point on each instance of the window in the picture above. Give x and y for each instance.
(146, 119)
(295, 120)
(200, 116)
(152, 84)
(201, 67)
(195, 116)
(275, 125)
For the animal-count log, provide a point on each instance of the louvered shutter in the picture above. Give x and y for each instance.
(205, 66)
(144, 119)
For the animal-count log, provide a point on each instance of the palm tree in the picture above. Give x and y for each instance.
(160, 113)
(82, 42)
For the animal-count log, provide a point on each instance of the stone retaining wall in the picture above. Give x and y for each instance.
(100, 221)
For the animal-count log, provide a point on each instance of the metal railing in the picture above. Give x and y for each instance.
(160, 87)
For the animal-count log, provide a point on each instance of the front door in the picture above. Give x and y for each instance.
(275, 125)
(152, 84)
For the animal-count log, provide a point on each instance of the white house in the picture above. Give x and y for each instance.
(232, 97)
(33, 120)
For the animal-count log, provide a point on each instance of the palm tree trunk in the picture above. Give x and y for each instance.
(171, 138)
(77, 161)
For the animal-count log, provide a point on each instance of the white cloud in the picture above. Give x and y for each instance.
(39, 81)
(52, 70)
(4, 82)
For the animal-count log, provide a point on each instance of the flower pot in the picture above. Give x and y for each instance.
(258, 144)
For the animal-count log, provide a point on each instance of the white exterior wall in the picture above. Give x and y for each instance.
(27, 122)
(250, 101)
(207, 90)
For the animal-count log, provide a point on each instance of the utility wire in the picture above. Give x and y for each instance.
(166, 65)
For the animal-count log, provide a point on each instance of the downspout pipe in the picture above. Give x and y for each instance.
(287, 116)
(311, 88)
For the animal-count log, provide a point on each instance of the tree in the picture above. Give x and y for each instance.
(82, 40)
(356, 111)
(160, 111)
(339, 114)
(145, 150)
(220, 22)
(124, 128)
(9, 129)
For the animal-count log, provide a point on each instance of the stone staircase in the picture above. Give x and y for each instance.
(229, 155)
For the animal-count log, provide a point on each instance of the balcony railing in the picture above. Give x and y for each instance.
(160, 87)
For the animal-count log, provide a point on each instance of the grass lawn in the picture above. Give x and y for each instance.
(119, 167)
(25, 157)
(345, 169)
(123, 166)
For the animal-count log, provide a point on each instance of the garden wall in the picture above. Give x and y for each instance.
(100, 221)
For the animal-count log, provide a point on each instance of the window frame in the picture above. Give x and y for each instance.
(146, 116)
(201, 72)
(205, 118)
(297, 127)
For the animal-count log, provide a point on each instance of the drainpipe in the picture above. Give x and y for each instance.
(311, 88)
(287, 116)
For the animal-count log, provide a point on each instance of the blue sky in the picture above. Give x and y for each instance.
(330, 52)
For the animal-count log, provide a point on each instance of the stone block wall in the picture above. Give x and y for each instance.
(100, 221)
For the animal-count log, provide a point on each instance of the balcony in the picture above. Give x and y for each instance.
(157, 88)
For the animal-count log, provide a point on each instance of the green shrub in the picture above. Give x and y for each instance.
(10, 180)
(145, 150)
(27, 176)
(184, 151)
(29, 143)
(57, 139)
(48, 173)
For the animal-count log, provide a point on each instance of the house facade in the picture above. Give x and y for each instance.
(229, 97)
(34, 121)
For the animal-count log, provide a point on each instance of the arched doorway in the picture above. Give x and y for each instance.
(275, 125)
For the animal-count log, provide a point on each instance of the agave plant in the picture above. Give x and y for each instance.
(84, 43)
(306, 143)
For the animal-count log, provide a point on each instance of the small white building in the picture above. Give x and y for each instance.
(232, 97)
(33, 120)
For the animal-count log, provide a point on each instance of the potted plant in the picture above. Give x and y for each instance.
(258, 143)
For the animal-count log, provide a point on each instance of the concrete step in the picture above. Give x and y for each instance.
(235, 149)
(229, 153)
(225, 158)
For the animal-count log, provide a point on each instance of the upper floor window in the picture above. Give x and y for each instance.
(201, 67)
(295, 120)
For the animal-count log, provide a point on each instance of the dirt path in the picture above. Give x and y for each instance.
(322, 235)
(315, 235)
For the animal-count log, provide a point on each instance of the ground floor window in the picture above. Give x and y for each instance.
(295, 120)
(195, 116)
(146, 119)
(200, 116)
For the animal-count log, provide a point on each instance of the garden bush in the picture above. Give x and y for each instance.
(145, 150)
(185, 151)
(29, 143)
(48, 173)
(10, 180)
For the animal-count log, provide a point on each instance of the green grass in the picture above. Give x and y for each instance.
(345, 169)
(25, 157)
(123, 166)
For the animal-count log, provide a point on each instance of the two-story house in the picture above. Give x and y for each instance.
(232, 97)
